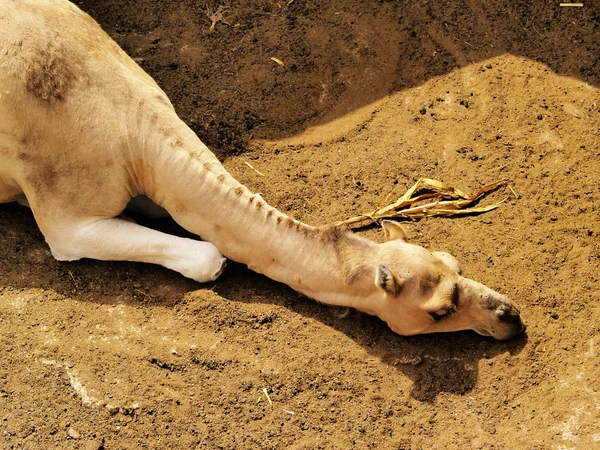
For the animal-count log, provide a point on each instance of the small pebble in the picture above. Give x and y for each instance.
(112, 409)
(96, 444)
(73, 433)
(567, 171)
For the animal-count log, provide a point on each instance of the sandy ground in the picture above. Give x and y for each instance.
(373, 95)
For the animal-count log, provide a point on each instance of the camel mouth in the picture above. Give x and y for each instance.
(509, 330)
(503, 329)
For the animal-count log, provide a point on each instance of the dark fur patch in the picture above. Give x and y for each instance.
(259, 205)
(221, 178)
(306, 231)
(491, 303)
(43, 178)
(278, 220)
(334, 233)
(349, 249)
(207, 165)
(50, 74)
(269, 213)
(239, 190)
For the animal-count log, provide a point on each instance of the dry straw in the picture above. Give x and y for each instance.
(442, 200)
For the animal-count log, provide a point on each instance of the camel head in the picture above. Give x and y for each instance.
(424, 292)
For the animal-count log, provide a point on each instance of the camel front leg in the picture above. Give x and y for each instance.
(119, 240)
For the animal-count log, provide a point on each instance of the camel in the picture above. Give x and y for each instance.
(83, 130)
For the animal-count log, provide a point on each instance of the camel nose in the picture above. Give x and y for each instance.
(509, 315)
(505, 320)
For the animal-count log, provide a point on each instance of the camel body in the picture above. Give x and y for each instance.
(83, 130)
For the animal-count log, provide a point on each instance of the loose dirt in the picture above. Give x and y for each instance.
(371, 96)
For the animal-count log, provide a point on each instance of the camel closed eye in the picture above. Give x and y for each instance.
(448, 309)
(443, 313)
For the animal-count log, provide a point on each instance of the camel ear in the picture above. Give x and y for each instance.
(393, 231)
(387, 281)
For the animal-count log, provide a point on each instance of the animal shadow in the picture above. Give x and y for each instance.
(441, 363)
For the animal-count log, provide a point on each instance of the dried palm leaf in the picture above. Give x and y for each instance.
(447, 201)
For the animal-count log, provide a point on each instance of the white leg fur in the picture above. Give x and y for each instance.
(116, 239)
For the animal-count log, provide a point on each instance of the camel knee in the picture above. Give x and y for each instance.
(63, 251)
(65, 243)
(202, 261)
